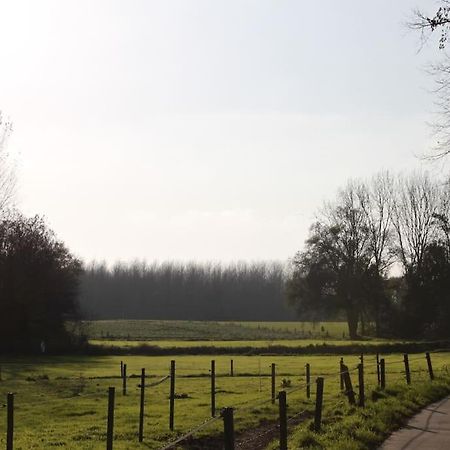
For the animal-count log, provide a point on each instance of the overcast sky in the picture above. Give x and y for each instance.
(205, 130)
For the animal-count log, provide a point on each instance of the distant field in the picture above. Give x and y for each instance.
(165, 330)
(232, 344)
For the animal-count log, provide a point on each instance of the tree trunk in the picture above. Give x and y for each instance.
(363, 325)
(352, 321)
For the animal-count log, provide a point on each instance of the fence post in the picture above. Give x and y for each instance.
(361, 358)
(341, 373)
(228, 428)
(348, 386)
(362, 398)
(231, 368)
(382, 374)
(124, 380)
(378, 369)
(319, 402)
(141, 410)
(430, 367)
(407, 372)
(172, 395)
(121, 369)
(283, 419)
(273, 382)
(308, 380)
(213, 388)
(10, 421)
(110, 426)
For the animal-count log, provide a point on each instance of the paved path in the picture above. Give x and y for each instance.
(428, 430)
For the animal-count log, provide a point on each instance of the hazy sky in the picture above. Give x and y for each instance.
(205, 129)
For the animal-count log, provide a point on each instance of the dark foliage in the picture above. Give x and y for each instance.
(426, 304)
(38, 286)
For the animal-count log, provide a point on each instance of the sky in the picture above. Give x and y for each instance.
(206, 130)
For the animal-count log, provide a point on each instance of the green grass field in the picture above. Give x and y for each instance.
(223, 343)
(156, 330)
(62, 401)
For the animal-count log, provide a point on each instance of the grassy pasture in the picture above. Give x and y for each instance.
(156, 330)
(62, 401)
(227, 343)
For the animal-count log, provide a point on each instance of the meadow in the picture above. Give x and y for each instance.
(148, 330)
(206, 337)
(62, 401)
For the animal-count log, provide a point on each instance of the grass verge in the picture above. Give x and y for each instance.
(353, 428)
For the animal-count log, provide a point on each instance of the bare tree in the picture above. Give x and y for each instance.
(427, 25)
(7, 172)
(417, 203)
(375, 198)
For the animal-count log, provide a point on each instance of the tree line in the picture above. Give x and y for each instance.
(185, 291)
(380, 254)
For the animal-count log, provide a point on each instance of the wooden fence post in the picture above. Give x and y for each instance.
(172, 395)
(283, 419)
(228, 428)
(378, 369)
(341, 373)
(361, 358)
(348, 386)
(231, 368)
(430, 367)
(362, 398)
(10, 421)
(382, 374)
(319, 403)
(141, 410)
(213, 388)
(124, 380)
(110, 426)
(407, 372)
(308, 380)
(273, 383)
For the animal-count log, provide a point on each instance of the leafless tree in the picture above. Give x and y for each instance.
(438, 21)
(417, 203)
(375, 198)
(7, 172)
(427, 25)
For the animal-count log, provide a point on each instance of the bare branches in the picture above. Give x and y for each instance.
(7, 172)
(428, 24)
(417, 203)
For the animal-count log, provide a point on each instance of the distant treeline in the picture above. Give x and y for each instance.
(192, 291)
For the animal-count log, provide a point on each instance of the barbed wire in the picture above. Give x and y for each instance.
(156, 382)
(296, 415)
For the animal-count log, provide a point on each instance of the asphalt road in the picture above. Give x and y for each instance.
(428, 430)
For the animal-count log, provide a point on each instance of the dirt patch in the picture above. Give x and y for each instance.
(257, 438)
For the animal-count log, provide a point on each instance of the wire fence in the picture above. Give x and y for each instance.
(247, 406)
